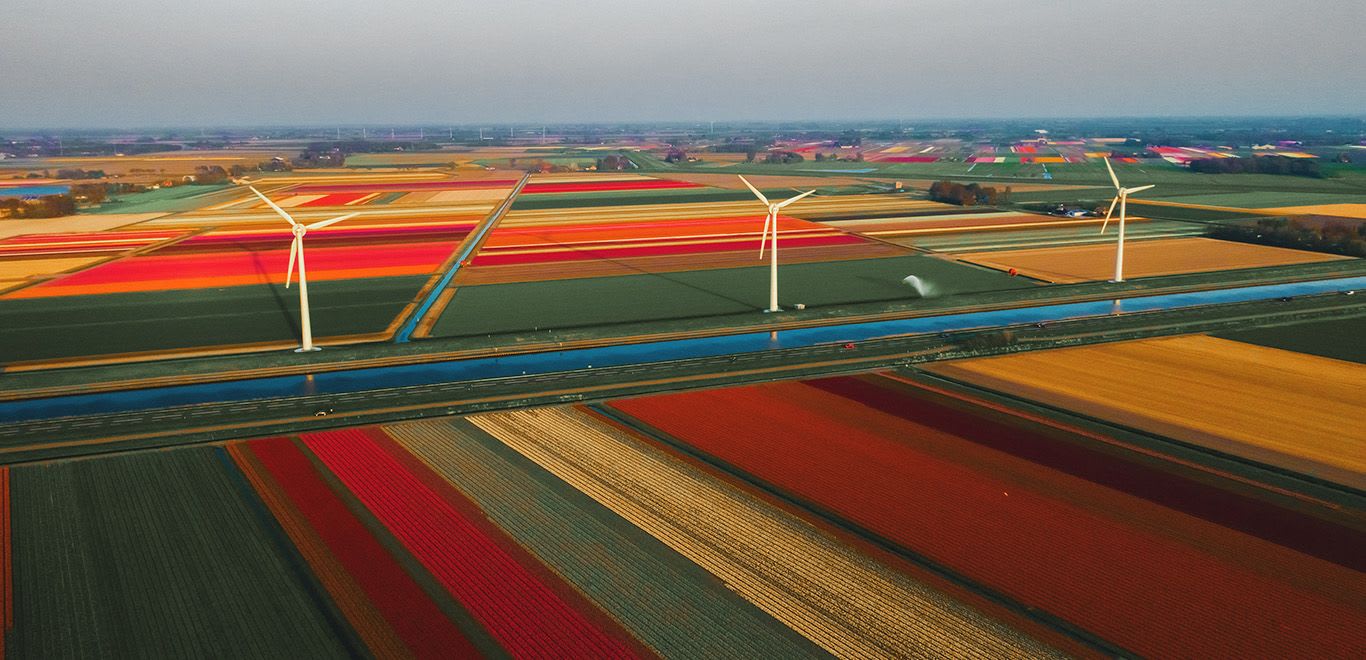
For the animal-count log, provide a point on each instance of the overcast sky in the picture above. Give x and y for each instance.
(150, 62)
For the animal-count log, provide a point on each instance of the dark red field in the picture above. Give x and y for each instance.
(1147, 577)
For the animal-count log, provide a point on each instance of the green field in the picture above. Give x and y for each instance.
(159, 554)
(165, 200)
(1340, 339)
(1266, 199)
(578, 303)
(78, 326)
(664, 598)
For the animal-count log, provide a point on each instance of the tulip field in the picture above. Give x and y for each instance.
(207, 274)
(852, 516)
(1111, 552)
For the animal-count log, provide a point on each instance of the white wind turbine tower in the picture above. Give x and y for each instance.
(296, 250)
(772, 221)
(1122, 197)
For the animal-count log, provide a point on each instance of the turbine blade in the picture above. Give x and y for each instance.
(755, 191)
(1139, 189)
(327, 223)
(764, 240)
(1107, 214)
(782, 204)
(293, 252)
(1111, 170)
(271, 204)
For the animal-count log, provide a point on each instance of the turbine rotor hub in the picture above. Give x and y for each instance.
(299, 230)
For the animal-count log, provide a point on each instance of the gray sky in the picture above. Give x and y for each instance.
(146, 62)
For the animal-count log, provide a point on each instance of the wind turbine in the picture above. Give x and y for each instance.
(1122, 197)
(296, 250)
(772, 221)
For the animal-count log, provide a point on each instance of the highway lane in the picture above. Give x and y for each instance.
(418, 373)
(208, 421)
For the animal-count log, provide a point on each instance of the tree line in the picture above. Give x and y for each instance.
(972, 194)
(1331, 236)
(1281, 165)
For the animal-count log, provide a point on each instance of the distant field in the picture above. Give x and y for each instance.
(1357, 210)
(1141, 258)
(1341, 339)
(165, 200)
(1044, 237)
(1286, 409)
(1266, 199)
(577, 303)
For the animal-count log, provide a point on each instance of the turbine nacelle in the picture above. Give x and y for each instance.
(1122, 194)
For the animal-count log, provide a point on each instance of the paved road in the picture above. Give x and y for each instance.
(98, 433)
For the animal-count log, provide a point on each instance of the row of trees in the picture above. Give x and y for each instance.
(1331, 236)
(1259, 165)
(47, 206)
(783, 157)
(613, 162)
(972, 194)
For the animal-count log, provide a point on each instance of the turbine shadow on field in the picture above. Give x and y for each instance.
(277, 293)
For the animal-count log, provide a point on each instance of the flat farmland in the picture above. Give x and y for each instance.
(585, 302)
(1329, 338)
(1157, 564)
(766, 181)
(896, 228)
(1265, 200)
(1141, 259)
(1291, 410)
(1042, 236)
(226, 319)
(219, 260)
(1341, 210)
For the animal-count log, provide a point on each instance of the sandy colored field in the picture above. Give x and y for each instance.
(1293, 410)
(166, 163)
(732, 182)
(1150, 258)
(71, 224)
(484, 195)
(1342, 210)
(294, 200)
(22, 268)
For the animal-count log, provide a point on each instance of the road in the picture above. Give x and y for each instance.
(205, 422)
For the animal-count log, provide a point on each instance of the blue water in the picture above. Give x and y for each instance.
(32, 191)
(359, 380)
(406, 332)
